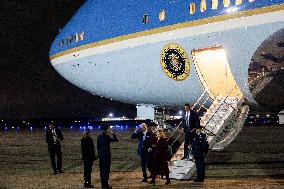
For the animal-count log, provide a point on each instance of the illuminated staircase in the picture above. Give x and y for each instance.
(222, 122)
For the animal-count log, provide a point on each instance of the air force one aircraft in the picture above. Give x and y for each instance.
(166, 52)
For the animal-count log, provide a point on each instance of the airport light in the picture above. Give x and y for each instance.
(110, 115)
(180, 112)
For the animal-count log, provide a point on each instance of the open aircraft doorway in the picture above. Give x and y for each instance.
(214, 72)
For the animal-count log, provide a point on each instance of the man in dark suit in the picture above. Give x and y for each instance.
(190, 123)
(199, 151)
(53, 138)
(103, 145)
(143, 136)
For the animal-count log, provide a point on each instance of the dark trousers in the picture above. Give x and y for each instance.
(200, 167)
(144, 160)
(188, 137)
(88, 165)
(104, 172)
(150, 163)
(56, 150)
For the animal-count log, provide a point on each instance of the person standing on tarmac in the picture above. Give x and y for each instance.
(143, 136)
(103, 146)
(53, 138)
(199, 151)
(88, 156)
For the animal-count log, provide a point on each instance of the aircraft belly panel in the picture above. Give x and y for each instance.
(135, 75)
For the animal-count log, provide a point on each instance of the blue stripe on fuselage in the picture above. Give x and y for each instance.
(100, 20)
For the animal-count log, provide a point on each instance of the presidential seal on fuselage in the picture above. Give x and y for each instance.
(174, 62)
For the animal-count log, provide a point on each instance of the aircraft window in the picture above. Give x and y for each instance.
(67, 40)
(214, 4)
(192, 8)
(59, 44)
(162, 15)
(82, 36)
(71, 39)
(203, 5)
(76, 37)
(145, 19)
(238, 2)
(226, 3)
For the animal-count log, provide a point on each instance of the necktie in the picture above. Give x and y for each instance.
(54, 136)
(187, 119)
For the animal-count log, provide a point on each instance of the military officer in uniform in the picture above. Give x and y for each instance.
(103, 146)
(53, 138)
(199, 152)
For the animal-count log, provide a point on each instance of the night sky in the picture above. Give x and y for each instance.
(29, 86)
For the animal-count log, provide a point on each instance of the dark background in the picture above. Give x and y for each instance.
(29, 86)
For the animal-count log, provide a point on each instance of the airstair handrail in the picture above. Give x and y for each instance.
(205, 91)
(197, 102)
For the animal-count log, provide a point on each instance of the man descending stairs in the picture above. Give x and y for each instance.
(214, 121)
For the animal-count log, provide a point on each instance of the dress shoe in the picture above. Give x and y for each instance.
(144, 180)
(152, 182)
(89, 186)
(168, 182)
(60, 171)
(55, 172)
(197, 180)
(184, 158)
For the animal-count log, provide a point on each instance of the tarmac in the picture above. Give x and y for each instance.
(255, 159)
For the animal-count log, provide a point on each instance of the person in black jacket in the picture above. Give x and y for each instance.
(53, 138)
(88, 156)
(199, 150)
(143, 136)
(103, 145)
(190, 123)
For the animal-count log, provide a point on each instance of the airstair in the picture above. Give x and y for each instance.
(222, 122)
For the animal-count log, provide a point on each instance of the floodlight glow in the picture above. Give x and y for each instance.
(232, 10)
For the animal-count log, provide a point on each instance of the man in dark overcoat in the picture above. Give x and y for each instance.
(103, 146)
(88, 156)
(143, 135)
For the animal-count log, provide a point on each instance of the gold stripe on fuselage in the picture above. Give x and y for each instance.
(209, 20)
